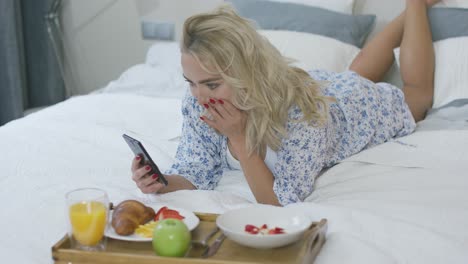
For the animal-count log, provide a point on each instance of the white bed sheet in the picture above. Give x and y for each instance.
(378, 213)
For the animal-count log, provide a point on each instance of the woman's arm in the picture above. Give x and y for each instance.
(257, 174)
(230, 121)
(296, 167)
(197, 162)
(148, 183)
(176, 182)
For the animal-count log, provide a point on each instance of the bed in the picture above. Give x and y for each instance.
(405, 201)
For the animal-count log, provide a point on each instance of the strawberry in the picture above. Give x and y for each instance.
(165, 213)
(172, 214)
(251, 229)
(263, 230)
(275, 231)
(158, 217)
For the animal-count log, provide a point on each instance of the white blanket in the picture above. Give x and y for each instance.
(378, 212)
(425, 149)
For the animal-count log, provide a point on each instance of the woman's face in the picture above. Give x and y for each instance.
(203, 85)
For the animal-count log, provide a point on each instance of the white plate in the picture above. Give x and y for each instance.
(191, 220)
(233, 225)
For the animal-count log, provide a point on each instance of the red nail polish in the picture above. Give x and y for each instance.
(147, 167)
(221, 101)
(206, 105)
(212, 101)
(155, 176)
(202, 118)
(138, 158)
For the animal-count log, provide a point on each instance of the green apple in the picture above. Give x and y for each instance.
(171, 238)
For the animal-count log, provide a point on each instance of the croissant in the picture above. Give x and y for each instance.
(128, 215)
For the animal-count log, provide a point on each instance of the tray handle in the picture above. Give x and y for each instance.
(315, 241)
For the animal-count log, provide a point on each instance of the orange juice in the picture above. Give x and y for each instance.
(88, 221)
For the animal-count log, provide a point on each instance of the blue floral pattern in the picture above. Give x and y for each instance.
(364, 114)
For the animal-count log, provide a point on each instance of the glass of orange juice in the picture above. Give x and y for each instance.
(87, 210)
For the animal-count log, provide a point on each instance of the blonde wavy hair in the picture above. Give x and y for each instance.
(264, 84)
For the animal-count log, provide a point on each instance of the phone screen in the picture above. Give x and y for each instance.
(139, 150)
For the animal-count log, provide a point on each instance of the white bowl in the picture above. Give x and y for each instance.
(233, 222)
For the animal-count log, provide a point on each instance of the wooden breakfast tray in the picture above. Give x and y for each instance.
(118, 251)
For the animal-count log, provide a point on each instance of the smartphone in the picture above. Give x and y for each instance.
(139, 150)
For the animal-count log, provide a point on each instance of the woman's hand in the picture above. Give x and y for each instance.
(226, 119)
(144, 180)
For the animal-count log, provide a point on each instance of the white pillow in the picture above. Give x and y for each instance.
(451, 70)
(343, 6)
(164, 53)
(312, 51)
(150, 80)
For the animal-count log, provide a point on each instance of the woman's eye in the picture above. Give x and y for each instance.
(212, 86)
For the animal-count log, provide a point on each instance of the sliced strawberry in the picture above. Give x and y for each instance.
(279, 229)
(276, 230)
(263, 230)
(165, 213)
(172, 214)
(251, 229)
(171, 211)
(158, 215)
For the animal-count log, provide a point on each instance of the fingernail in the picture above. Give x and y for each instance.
(212, 101)
(202, 118)
(155, 176)
(206, 105)
(147, 167)
(138, 158)
(221, 101)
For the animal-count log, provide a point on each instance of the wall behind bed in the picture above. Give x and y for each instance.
(103, 37)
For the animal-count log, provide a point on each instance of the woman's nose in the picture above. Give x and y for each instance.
(201, 95)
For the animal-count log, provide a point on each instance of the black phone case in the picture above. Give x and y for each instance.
(139, 150)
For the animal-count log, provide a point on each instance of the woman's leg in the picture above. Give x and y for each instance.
(376, 58)
(417, 60)
(410, 30)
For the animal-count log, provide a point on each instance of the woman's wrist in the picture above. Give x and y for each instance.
(175, 183)
(238, 147)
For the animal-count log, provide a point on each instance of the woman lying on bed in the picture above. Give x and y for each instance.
(250, 110)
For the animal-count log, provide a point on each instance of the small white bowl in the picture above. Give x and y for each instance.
(233, 223)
